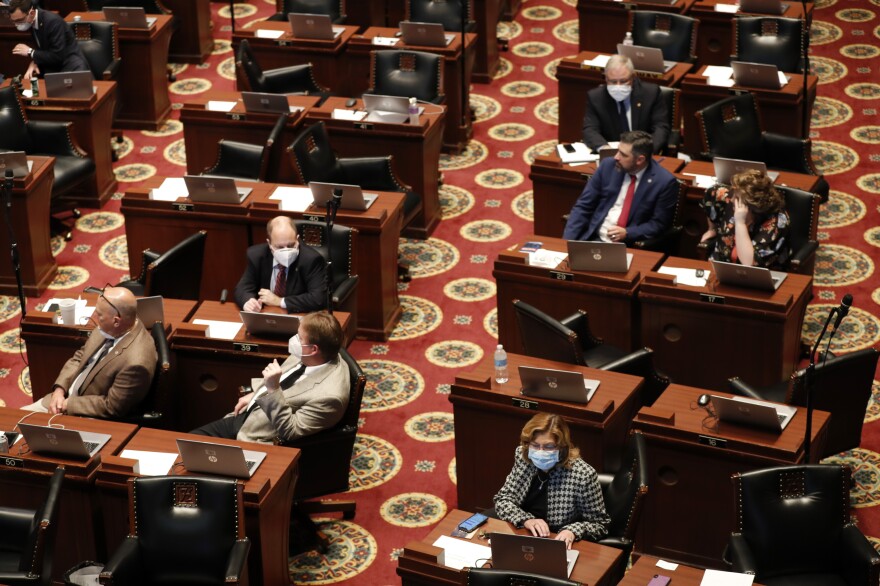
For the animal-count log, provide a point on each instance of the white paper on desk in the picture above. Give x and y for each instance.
(598, 61)
(549, 259)
(686, 276)
(730, 8)
(353, 115)
(671, 566)
(581, 153)
(220, 106)
(719, 578)
(27, 93)
(719, 71)
(223, 330)
(292, 199)
(385, 41)
(264, 33)
(783, 79)
(702, 180)
(460, 554)
(720, 81)
(171, 189)
(151, 463)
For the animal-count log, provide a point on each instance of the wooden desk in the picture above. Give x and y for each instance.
(92, 122)
(143, 78)
(416, 151)
(609, 298)
(210, 370)
(12, 65)
(576, 80)
(192, 41)
(702, 336)
(24, 479)
(646, 568)
(459, 126)
(203, 129)
(418, 566)
(487, 15)
(268, 496)
(690, 512)
(781, 110)
(604, 23)
(30, 216)
(556, 187)
(490, 416)
(327, 57)
(715, 38)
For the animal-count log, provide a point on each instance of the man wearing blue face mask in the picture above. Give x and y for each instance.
(551, 489)
(624, 103)
(305, 394)
(283, 273)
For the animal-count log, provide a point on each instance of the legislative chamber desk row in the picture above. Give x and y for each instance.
(691, 455)
(93, 510)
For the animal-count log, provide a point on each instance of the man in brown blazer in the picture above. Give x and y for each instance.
(112, 372)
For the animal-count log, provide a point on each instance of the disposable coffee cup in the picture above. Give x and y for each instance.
(68, 311)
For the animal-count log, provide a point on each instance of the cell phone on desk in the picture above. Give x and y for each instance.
(569, 148)
(472, 522)
(659, 580)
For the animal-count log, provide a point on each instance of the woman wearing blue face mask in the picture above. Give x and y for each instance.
(550, 489)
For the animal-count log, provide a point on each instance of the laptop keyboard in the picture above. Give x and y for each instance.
(91, 446)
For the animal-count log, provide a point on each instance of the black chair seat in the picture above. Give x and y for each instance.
(69, 172)
(601, 355)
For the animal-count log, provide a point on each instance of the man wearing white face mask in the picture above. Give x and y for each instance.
(305, 394)
(624, 103)
(282, 273)
(54, 48)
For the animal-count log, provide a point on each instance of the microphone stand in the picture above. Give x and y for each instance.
(232, 13)
(809, 381)
(13, 242)
(333, 204)
(465, 103)
(805, 43)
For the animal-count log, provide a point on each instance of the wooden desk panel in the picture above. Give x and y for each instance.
(192, 41)
(646, 568)
(608, 298)
(491, 415)
(268, 496)
(29, 215)
(416, 568)
(702, 336)
(687, 475)
(576, 80)
(604, 23)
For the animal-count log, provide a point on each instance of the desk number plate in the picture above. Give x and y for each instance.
(11, 462)
(363, 125)
(524, 403)
(707, 298)
(313, 218)
(182, 207)
(715, 442)
(244, 347)
(560, 276)
(236, 116)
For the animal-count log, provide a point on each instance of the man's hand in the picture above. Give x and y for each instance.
(21, 50)
(566, 536)
(616, 234)
(253, 304)
(538, 527)
(272, 376)
(243, 403)
(58, 403)
(32, 72)
(740, 211)
(269, 298)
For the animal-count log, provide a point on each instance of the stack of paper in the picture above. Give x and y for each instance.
(598, 61)
(171, 189)
(686, 276)
(219, 106)
(460, 554)
(581, 153)
(354, 115)
(385, 41)
(223, 330)
(262, 33)
(293, 199)
(549, 259)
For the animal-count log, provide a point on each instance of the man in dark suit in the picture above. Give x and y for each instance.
(283, 273)
(624, 103)
(55, 48)
(629, 198)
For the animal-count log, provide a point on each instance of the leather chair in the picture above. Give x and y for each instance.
(27, 539)
(672, 98)
(176, 274)
(623, 493)
(445, 12)
(793, 528)
(732, 128)
(842, 387)
(769, 39)
(667, 242)
(51, 139)
(490, 577)
(411, 74)
(674, 34)
(335, 9)
(150, 7)
(99, 42)
(343, 284)
(570, 340)
(183, 530)
(295, 79)
(242, 160)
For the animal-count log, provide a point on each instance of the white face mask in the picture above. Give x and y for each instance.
(105, 334)
(285, 256)
(294, 347)
(23, 26)
(619, 92)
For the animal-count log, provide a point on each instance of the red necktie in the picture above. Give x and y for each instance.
(627, 202)
(281, 281)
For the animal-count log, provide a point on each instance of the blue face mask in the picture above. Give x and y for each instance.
(544, 459)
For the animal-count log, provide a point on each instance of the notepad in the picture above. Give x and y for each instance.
(262, 33)
(385, 41)
(170, 190)
(223, 330)
(220, 106)
(292, 199)
(598, 61)
(151, 463)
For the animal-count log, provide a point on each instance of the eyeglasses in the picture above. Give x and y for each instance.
(104, 297)
(551, 447)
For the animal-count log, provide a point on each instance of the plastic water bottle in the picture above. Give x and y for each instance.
(628, 39)
(413, 111)
(500, 364)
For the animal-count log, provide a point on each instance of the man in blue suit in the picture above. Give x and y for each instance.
(629, 198)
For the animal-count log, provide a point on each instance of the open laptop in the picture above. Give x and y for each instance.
(726, 168)
(738, 275)
(610, 257)
(207, 189)
(210, 458)
(758, 75)
(559, 385)
(265, 103)
(129, 16)
(270, 324)
(427, 34)
(42, 439)
(388, 109)
(76, 85)
(770, 416)
(648, 59)
(16, 161)
(774, 7)
(534, 555)
(151, 310)
(353, 197)
(313, 26)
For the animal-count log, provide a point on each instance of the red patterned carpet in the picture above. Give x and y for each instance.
(403, 472)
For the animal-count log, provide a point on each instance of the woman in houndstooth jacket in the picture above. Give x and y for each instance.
(550, 488)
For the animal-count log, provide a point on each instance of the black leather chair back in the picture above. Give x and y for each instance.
(672, 98)
(335, 9)
(39, 546)
(731, 128)
(674, 34)
(14, 134)
(99, 42)
(544, 337)
(445, 12)
(248, 72)
(313, 159)
(177, 274)
(342, 246)
(803, 211)
(624, 494)
(149, 6)
(490, 577)
(411, 74)
(767, 39)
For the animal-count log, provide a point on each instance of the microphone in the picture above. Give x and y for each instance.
(337, 194)
(845, 304)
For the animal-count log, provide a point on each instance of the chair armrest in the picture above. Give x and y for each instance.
(54, 138)
(16, 527)
(802, 256)
(344, 289)
(125, 566)
(372, 173)
(856, 557)
(673, 143)
(605, 480)
(738, 386)
(788, 153)
(112, 70)
(150, 256)
(19, 578)
(660, 243)
(237, 558)
(618, 543)
(742, 559)
(330, 436)
(237, 159)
